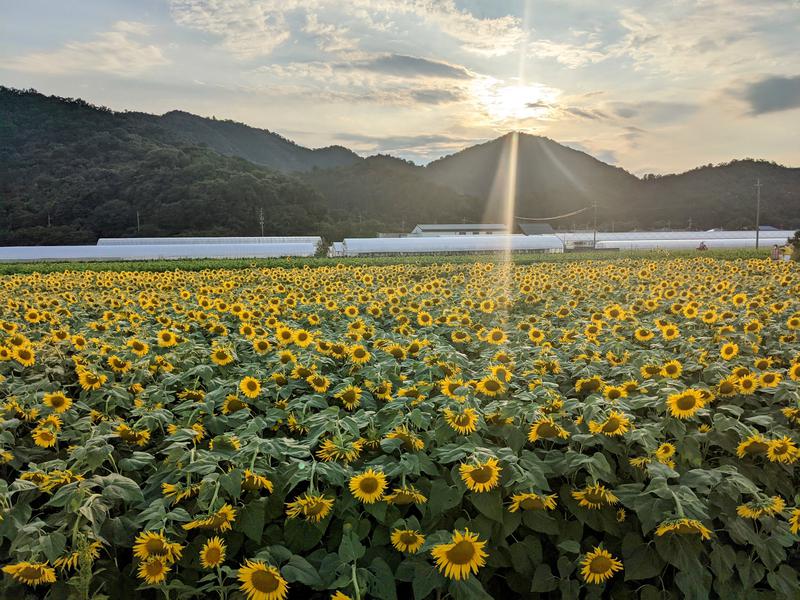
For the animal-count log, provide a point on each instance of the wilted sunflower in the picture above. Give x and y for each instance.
(254, 481)
(337, 449)
(368, 487)
(531, 501)
(70, 561)
(31, 573)
(594, 497)
(221, 520)
(754, 445)
(794, 521)
(411, 441)
(761, 508)
(463, 422)
(262, 582)
(599, 565)
(312, 507)
(212, 554)
(684, 526)
(407, 494)
(481, 476)
(685, 404)
(407, 540)
(461, 557)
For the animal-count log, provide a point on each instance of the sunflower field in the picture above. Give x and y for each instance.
(625, 429)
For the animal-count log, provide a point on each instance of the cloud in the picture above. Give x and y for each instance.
(772, 94)
(586, 113)
(117, 52)
(250, 29)
(571, 55)
(423, 147)
(654, 111)
(400, 65)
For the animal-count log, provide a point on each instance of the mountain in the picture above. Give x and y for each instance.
(71, 172)
(553, 179)
(259, 146)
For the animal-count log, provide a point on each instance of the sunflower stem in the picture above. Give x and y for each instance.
(354, 578)
(678, 505)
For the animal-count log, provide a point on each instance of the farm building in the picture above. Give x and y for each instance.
(445, 229)
(163, 241)
(453, 244)
(645, 240)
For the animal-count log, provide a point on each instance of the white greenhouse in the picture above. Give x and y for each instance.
(162, 241)
(646, 240)
(156, 251)
(451, 245)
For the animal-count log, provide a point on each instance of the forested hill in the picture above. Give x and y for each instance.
(71, 172)
(553, 179)
(256, 145)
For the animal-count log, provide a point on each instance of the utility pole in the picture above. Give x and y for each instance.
(758, 209)
(594, 237)
(137, 222)
(261, 219)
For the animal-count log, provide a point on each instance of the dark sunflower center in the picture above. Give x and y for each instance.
(600, 564)
(154, 568)
(315, 508)
(482, 474)
(154, 546)
(408, 538)
(461, 553)
(212, 555)
(546, 430)
(31, 573)
(612, 425)
(531, 504)
(686, 402)
(369, 485)
(264, 581)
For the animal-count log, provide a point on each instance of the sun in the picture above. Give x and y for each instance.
(504, 102)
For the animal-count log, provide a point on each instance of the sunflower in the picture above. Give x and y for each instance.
(594, 497)
(794, 521)
(262, 582)
(221, 356)
(769, 379)
(319, 383)
(792, 414)
(496, 336)
(166, 339)
(154, 570)
(44, 437)
(531, 501)
(250, 387)
(614, 392)
(407, 494)
(24, 355)
(450, 386)
(232, 404)
(672, 369)
(90, 381)
(490, 386)
(31, 573)
(728, 386)
(350, 397)
(359, 355)
(729, 351)
(616, 424)
(312, 507)
(254, 481)
(754, 445)
(411, 441)
(58, 401)
(589, 385)
(599, 565)
(546, 429)
(407, 540)
(338, 449)
(761, 508)
(665, 452)
(463, 422)
(212, 554)
(221, 520)
(462, 556)
(70, 561)
(481, 476)
(783, 450)
(340, 595)
(150, 544)
(685, 404)
(684, 526)
(368, 487)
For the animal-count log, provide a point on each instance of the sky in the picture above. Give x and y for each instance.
(652, 87)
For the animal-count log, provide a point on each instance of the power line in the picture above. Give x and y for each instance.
(574, 212)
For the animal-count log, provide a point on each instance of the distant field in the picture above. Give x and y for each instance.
(235, 263)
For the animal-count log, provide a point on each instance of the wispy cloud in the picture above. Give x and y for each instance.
(120, 52)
